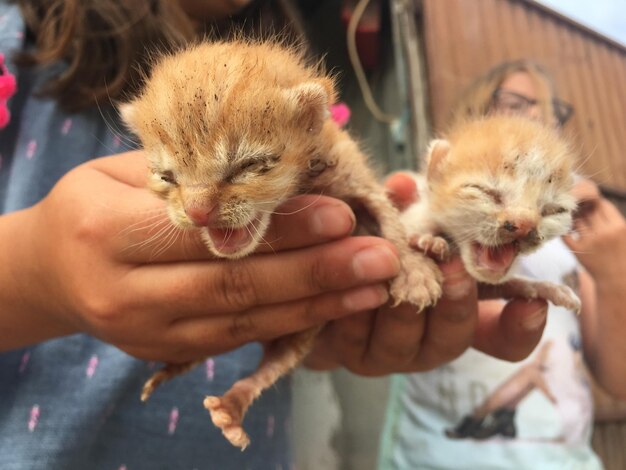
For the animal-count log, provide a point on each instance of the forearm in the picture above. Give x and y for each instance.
(23, 320)
(603, 323)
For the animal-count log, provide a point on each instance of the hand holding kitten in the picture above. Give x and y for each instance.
(392, 340)
(105, 267)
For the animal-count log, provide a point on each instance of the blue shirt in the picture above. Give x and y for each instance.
(73, 402)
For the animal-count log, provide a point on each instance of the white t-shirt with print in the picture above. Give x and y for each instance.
(547, 435)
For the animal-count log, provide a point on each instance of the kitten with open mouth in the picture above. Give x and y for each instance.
(494, 189)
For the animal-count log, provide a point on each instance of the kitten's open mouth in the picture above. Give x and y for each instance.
(494, 261)
(228, 240)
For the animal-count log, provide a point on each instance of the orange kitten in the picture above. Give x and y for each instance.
(496, 187)
(232, 130)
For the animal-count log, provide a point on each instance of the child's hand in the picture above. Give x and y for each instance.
(388, 340)
(100, 256)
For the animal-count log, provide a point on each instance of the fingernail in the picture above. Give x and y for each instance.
(535, 320)
(366, 298)
(332, 221)
(376, 263)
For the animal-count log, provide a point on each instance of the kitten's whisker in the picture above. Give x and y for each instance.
(167, 241)
(294, 211)
(155, 221)
(261, 237)
(124, 137)
(143, 243)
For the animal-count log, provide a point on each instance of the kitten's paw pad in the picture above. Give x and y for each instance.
(418, 283)
(429, 243)
(227, 416)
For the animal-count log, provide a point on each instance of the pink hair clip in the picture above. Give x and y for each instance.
(8, 87)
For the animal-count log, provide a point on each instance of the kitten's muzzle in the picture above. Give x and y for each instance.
(522, 230)
(202, 215)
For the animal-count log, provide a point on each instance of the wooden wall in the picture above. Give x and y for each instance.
(464, 38)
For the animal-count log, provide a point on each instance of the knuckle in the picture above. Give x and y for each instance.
(104, 312)
(237, 286)
(318, 276)
(399, 353)
(448, 351)
(242, 328)
(91, 227)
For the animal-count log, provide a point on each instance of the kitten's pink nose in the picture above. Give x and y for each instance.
(201, 215)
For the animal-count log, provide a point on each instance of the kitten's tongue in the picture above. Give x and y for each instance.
(229, 240)
(495, 258)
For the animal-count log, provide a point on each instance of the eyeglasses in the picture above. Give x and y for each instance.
(508, 101)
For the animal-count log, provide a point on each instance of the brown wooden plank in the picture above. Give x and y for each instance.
(598, 164)
(438, 56)
(494, 47)
(568, 71)
(614, 65)
(602, 98)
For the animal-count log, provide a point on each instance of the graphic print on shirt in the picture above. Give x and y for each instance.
(497, 414)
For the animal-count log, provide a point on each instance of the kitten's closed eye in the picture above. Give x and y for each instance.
(494, 194)
(552, 209)
(258, 165)
(167, 176)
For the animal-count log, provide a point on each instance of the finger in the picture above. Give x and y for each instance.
(586, 190)
(202, 334)
(237, 285)
(307, 220)
(129, 168)
(451, 323)
(301, 221)
(402, 190)
(395, 338)
(510, 332)
(346, 340)
(610, 214)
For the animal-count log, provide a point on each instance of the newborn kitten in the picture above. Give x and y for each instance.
(496, 188)
(232, 130)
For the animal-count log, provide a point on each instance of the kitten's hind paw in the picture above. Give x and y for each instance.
(418, 283)
(429, 243)
(228, 418)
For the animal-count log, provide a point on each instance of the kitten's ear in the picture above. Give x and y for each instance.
(127, 112)
(437, 151)
(309, 103)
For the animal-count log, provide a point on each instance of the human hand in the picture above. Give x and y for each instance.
(599, 238)
(388, 340)
(104, 259)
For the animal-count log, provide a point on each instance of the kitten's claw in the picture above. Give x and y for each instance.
(227, 417)
(418, 283)
(429, 243)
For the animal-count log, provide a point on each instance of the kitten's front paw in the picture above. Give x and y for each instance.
(560, 295)
(557, 294)
(418, 283)
(429, 243)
